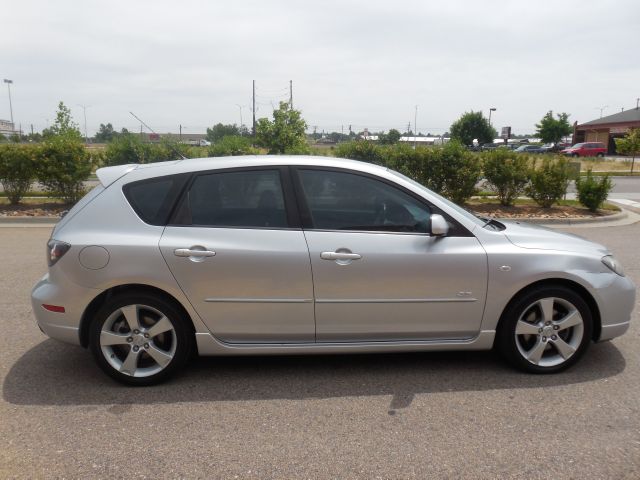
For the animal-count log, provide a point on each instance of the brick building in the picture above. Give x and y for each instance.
(607, 128)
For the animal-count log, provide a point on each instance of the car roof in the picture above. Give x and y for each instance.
(133, 172)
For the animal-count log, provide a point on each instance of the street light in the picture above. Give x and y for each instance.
(492, 109)
(240, 108)
(9, 82)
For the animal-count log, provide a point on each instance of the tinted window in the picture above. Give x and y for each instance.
(237, 199)
(345, 201)
(153, 199)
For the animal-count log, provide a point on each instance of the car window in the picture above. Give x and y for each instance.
(247, 199)
(346, 201)
(153, 199)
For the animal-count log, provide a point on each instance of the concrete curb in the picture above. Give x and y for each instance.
(30, 219)
(570, 221)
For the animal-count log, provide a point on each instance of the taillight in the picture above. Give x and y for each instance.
(55, 251)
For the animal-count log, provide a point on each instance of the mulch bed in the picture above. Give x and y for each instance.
(534, 211)
(33, 210)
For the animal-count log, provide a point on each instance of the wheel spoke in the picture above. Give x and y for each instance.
(546, 306)
(526, 328)
(535, 354)
(130, 363)
(112, 338)
(572, 319)
(564, 349)
(130, 312)
(161, 326)
(161, 358)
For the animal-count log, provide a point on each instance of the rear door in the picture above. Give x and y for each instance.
(238, 253)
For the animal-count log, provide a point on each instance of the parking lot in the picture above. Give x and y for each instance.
(452, 415)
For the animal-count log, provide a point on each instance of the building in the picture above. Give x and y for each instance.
(7, 128)
(606, 129)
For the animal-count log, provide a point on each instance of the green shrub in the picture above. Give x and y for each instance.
(232, 145)
(128, 148)
(549, 181)
(17, 170)
(361, 150)
(593, 191)
(453, 171)
(63, 166)
(507, 173)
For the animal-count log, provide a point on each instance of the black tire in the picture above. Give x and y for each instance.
(600, 155)
(511, 347)
(574, 155)
(176, 343)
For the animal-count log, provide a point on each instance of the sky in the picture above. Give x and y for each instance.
(365, 64)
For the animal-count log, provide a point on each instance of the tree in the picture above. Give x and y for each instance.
(470, 126)
(629, 145)
(17, 170)
(285, 134)
(63, 125)
(219, 131)
(105, 133)
(551, 130)
(390, 138)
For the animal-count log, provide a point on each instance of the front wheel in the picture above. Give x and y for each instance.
(545, 330)
(140, 339)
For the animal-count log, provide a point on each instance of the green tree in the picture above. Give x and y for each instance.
(552, 130)
(285, 134)
(219, 131)
(63, 125)
(105, 133)
(629, 145)
(390, 138)
(472, 125)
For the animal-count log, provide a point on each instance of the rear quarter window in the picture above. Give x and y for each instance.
(153, 199)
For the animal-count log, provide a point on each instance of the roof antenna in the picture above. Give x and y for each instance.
(172, 147)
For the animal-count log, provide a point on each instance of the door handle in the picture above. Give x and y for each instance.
(340, 256)
(187, 252)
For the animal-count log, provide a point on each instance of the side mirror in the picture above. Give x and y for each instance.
(439, 226)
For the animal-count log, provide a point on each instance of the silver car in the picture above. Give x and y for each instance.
(291, 255)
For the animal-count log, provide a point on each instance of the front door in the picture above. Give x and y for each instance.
(378, 275)
(235, 255)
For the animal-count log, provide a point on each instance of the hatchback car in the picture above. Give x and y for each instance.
(302, 255)
(586, 149)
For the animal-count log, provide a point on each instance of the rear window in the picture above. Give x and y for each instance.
(153, 199)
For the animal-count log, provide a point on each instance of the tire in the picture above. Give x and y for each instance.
(545, 330)
(140, 338)
(600, 155)
(574, 155)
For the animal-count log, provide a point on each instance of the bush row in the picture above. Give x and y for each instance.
(454, 172)
(61, 165)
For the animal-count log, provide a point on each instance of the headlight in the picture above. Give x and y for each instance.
(613, 264)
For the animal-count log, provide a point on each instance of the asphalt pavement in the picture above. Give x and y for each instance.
(440, 415)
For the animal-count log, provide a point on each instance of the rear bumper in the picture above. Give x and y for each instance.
(74, 298)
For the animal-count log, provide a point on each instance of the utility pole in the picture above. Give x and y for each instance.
(408, 128)
(240, 108)
(9, 82)
(253, 130)
(84, 110)
(415, 127)
(180, 132)
(32, 129)
(291, 94)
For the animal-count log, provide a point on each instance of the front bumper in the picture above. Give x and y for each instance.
(616, 303)
(74, 298)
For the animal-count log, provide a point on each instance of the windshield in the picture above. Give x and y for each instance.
(467, 214)
(577, 145)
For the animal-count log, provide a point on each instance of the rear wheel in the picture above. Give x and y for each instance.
(545, 330)
(600, 155)
(140, 339)
(574, 155)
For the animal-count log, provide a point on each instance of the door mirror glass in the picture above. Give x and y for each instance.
(439, 226)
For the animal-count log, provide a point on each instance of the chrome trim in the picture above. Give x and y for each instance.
(394, 300)
(259, 300)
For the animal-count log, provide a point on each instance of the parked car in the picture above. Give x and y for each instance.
(301, 255)
(530, 149)
(586, 149)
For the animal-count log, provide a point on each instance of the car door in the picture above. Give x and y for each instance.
(236, 251)
(378, 275)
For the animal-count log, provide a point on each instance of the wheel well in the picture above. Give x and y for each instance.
(579, 289)
(97, 302)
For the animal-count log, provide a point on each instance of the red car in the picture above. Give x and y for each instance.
(587, 149)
